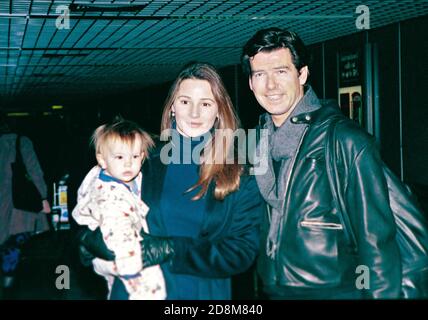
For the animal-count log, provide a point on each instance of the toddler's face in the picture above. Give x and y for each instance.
(121, 160)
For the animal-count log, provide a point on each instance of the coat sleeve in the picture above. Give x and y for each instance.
(367, 200)
(234, 251)
(32, 164)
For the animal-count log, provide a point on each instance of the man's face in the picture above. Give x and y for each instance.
(276, 83)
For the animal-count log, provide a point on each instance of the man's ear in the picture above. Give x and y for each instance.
(250, 83)
(303, 75)
(101, 161)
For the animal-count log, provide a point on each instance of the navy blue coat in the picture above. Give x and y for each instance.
(229, 239)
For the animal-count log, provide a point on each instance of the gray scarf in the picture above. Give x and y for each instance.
(282, 146)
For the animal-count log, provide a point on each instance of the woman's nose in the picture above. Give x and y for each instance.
(195, 111)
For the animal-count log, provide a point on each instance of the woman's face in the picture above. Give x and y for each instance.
(195, 107)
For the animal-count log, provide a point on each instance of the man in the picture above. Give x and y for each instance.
(305, 252)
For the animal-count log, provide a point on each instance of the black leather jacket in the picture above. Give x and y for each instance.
(313, 252)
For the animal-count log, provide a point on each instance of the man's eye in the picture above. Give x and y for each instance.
(282, 71)
(136, 156)
(119, 157)
(257, 74)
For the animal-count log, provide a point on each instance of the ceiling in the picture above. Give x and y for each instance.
(118, 45)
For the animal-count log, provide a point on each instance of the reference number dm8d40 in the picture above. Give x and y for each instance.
(214, 309)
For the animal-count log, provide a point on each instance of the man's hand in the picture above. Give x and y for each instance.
(155, 250)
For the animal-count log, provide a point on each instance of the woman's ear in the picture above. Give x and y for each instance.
(217, 121)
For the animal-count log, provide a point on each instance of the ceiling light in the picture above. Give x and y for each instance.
(100, 8)
(61, 55)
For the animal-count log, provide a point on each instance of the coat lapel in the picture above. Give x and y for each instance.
(152, 183)
(151, 190)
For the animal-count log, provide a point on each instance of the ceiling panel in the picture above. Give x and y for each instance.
(108, 48)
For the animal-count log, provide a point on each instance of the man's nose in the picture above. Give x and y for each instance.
(271, 82)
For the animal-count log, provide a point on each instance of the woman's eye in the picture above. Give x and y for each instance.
(184, 102)
(119, 157)
(136, 156)
(206, 104)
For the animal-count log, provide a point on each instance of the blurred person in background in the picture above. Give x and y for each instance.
(14, 222)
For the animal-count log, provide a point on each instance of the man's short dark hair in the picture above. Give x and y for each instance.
(270, 39)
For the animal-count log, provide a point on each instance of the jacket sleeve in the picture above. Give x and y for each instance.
(234, 251)
(367, 201)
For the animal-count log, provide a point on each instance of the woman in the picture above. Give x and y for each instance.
(204, 214)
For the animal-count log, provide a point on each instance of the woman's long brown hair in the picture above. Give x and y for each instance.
(213, 167)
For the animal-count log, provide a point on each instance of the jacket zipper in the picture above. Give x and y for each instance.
(286, 201)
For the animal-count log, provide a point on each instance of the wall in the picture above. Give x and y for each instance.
(414, 44)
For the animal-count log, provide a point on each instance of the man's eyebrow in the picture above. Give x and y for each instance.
(275, 68)
(283, 67)
(255, 71)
